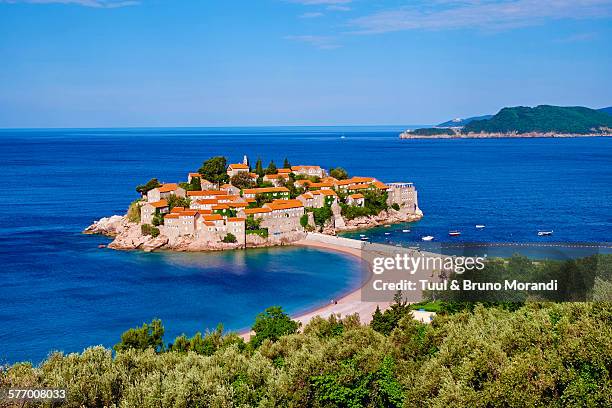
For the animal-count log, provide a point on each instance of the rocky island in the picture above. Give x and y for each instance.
(235, 206)
(523, 122)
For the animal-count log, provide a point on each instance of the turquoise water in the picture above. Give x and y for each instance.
(59, 291)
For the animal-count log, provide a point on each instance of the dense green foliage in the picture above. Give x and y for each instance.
(375, 201)
(286, 164)
(259, 168)
(271, 169)
(432, 131)
(215, 170)
(133, 212)
(147, 229)
(176, 201)
(543, 118)
(385, 322)
(271, 325)
(149, 185)
(553, 355)
(229, 238)
(395, 206)
(322, 215)
(194, 185)
(150, 335)
(304, 220)
(241, 180)
(338, 173)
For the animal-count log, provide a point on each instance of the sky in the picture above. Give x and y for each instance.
(145, 63)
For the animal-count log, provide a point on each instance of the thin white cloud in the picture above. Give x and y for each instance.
(318, 41)
(337, 7)
(313, 14)
(479, 14)
(84, 3)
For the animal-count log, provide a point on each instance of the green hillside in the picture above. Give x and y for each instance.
(543, 118)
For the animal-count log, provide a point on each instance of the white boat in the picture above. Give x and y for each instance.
(479, 226)
(405, 230)
(364, 238)
(387, 233)
(454, 233)
(362, 235)
(544, 233)
(427, 238)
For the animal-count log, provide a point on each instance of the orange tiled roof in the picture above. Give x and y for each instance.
(220, 207)
(380, 185)
(275, 176)
(356, 196)
(204, 212)
(284, 171)
(307, 196)
(237, 205)
(249, 211)
(304, 167)
(171, 215)
(213, 217)
(324, 192)
(360, 186)
(284, 204)
(238, 166)
(319, 185)
(207, 201)
(177, 209)
(168, 187)
(266, 190)
(188, 213)
(159, 204)
(206, 193)
(236, 219)
(195, 175)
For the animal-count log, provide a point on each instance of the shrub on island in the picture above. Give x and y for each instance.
(229, 238)
(148, 229)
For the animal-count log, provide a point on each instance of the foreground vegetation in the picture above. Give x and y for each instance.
(541, 354)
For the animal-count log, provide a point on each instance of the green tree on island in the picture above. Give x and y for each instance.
(241, 180)
(148, 186)
(338, 173)
(286, 164)
(271, 168)
(215, 170)
(259, 170)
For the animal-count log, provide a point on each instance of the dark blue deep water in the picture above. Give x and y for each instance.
(58, 291)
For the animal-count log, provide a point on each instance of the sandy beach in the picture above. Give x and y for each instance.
(346, 305)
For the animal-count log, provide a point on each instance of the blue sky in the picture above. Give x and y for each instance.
(114, 63)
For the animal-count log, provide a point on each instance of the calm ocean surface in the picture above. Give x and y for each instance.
(58, 291)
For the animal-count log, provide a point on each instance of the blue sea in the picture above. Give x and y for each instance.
(59, 291)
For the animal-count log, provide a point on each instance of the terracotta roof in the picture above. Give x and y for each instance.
(249, 211)
(302, 182)
(253, 175)
(307, 196)
(207, 201)
(227, 186)
(237, 205)
(206, 193)
(209, 224)
(275, 176)
(266, 190)
(319, 185)
(355, 180)
(213, 217)
(236, 219)
(166, 188)
(204, 212)
(238, 166)
(380, 185)
(324, 192)
(177, 209)
(360, 186)
(285, 171)
(356, 196)
(159, 204)
(188, 213)
(195, 175)
(220, 207)
(303, 167)
(171, 215)
(284, 204)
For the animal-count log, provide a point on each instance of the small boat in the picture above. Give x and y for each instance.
(405, 230)
(101, 246)
(387, 225)
(362, 235)
(454, 233)
(427, 238)
(479, 226)
(544, 233)
(364, 238)
(387, 233)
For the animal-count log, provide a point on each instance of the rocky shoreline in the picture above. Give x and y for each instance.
(459, 135)
(128, 235)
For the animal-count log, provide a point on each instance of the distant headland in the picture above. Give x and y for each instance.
(234, 206)
(523, 122)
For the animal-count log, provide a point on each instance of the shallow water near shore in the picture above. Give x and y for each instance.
(58, 290)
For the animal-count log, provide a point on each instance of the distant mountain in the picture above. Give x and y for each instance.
(608, 110)
(462, 122)
(543, 119)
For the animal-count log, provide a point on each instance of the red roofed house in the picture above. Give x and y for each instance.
(357, 200)
(236, 168)
(164, 191)
(148, 210)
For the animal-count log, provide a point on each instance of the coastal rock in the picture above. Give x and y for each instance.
(155, 243)
(109, 226)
